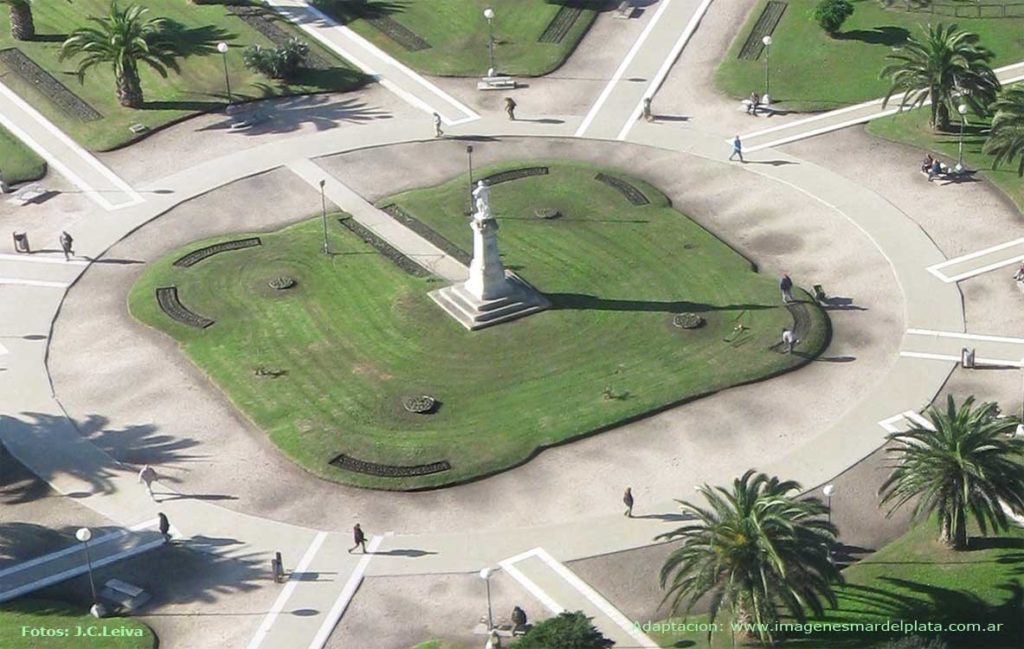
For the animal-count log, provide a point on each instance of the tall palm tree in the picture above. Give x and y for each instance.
(1006, 138)
(124, 38)
(756, 548)
(966, 463)
(23, 28)
(946, 67)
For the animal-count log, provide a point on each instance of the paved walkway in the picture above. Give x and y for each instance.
(63, 154)
(380, 223)
(643, 69)
(775, 136)
(393, 75)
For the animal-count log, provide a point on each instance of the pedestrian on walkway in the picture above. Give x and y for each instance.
(788, 339)
(165, 526)
(752, 103)
(737, 148)
(510, 108)
(66, 243)
(786, 286)
(359, 538)
(148, 475)
(627, 499)
(437, 126)
(648, 115)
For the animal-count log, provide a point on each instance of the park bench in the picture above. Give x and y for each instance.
(762, 107)
(124, 595)
(496, 83)
(819, 294)
(626, 9)
(27, 194)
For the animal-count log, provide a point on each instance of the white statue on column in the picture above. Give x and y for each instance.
(482, 200)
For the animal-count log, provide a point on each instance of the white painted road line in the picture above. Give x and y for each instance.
(37, 258)
(665, 67)
(921, 421)
(966, 336)
(976, 271)
(956, 359)
(979, 253)
(56, 162)
(601, 603)
(603, 97)
(32, 282)
(286, 592)
(508, 566)
(347, 593)
(890, 423)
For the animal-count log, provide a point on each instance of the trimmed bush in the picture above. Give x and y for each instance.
(278, 63)
(831, 14)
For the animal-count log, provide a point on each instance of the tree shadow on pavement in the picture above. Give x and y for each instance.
(584, 302)
(21, 541)
(285, 116)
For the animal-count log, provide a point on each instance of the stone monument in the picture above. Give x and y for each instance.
(492, 294)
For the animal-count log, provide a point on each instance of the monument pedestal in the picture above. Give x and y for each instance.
(491, 295)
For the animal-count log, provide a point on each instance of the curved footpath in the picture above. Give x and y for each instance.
(35, 430)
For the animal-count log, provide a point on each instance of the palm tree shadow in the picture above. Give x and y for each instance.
(194, 41)
(888, 35)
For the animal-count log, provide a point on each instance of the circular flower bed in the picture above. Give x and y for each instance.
(688, 320)
(421, 405)
(281, 283)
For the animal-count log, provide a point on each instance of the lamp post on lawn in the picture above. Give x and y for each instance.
(222, 47)
(323, 212)
(485, 574)
(767, 40)
(469, 154)
(489, 15)
(83, 535)
(962, 109)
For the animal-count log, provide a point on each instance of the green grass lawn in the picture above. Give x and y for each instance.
(912, 128)
(457, 33)
(811, 71)
(18, 162)
(199, 87)
(57, 625)
(915, 578)
(357, 334)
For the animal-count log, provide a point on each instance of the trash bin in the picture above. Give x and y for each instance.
(20, 242)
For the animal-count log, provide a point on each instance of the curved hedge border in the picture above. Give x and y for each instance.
(167, 298)
(388, 470)
(385, 248)
(196, 256)
(632, 194)
(28, 70)
(514, 174)
(425, 231)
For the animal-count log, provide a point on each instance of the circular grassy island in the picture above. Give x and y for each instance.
(328, 367)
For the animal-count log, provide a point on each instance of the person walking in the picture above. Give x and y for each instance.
(648, 115)
(510, 108)
(752, 103)
(437, 126)
(627, 499)
(737, 148)
(788, 339)
(147, 475)
(165, 526)
(66, 244)
(786, 286)
(359, 538)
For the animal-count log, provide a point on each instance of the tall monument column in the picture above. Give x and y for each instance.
(491, 295)
(487, 279)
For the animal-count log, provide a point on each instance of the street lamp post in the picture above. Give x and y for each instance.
(323, 212)
(962, 109)
(828, 490)
(485, 574)
(222, 47)
(469, 154)
(767, 40)
(83, 535)
(489, 15)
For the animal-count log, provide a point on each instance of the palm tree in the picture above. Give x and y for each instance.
(124, 39)
(23, 28)
(947, 67)
(755, 549)
(965, 463)
(1006, 138)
